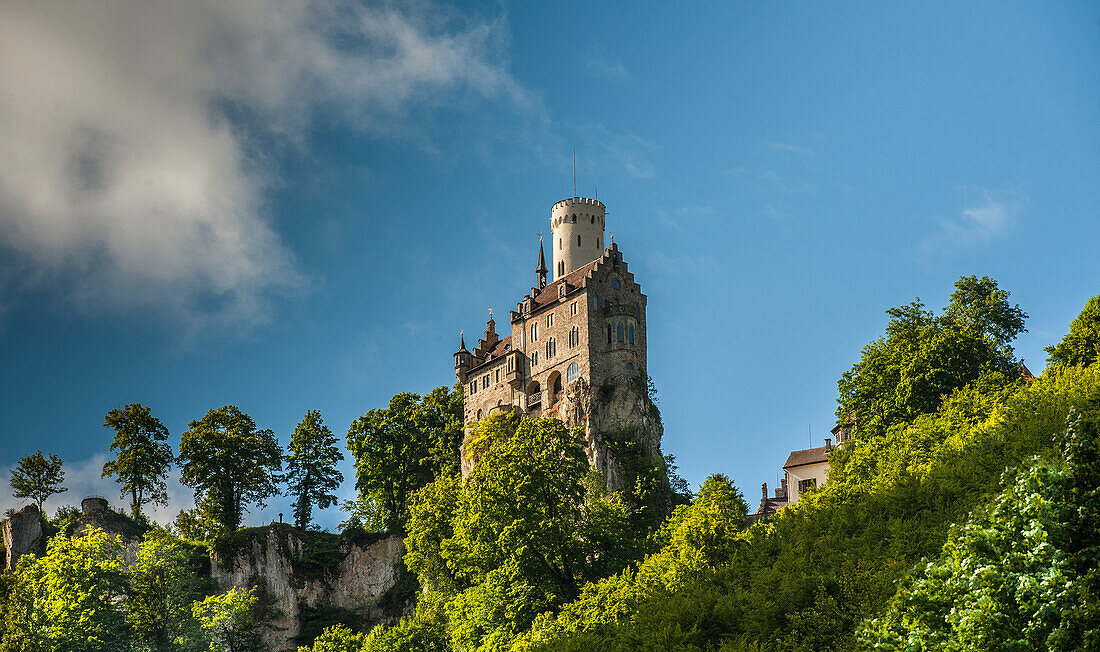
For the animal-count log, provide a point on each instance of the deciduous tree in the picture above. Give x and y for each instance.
(38, 478)
(143, 456)
(229, 622)
(400, 448)
(163, 585)
(229, 463)
(311, 472)
(1081, 346)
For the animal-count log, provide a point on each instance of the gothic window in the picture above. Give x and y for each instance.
(574, 337)
(497, 379)
(561, 290)
(534, 358)
(619, 332)
(632, 333)
(535, 332)
(473, 387)
(572, 372)
(574, 219)
(479, 415)
(549, 320)
(573, 308)
(609, 333)
(593, 219)
(485, 382)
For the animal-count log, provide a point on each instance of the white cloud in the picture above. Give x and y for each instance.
(598, 66)
(136, 135)
(986, 217)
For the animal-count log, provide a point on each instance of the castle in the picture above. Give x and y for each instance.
(577, 347)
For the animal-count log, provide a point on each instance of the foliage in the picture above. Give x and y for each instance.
(144, 456)
(164, 582)
(364, 513)
(1021, 575)
(924, 358)
(400, 448)
(337, 638)
(311, 472)
(228, 621)
(38, 478)
(229, 463)
(316, 625)
(195, 525)
(70, 600)
(1081, 346)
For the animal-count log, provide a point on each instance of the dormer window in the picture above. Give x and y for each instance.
(561, 290)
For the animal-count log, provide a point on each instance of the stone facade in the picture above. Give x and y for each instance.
(577, 347)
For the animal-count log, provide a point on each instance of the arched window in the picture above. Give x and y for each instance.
(561, 290)
(632, 333)
(615, 283)
(551, 348)
(572, 372)
(609, 333)
(593, 219)
(619, 332)
(535, 332)
(479, 415)
(574, 219)
(574, 337)
(535, 358)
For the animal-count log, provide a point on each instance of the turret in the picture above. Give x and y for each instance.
(462, 359)
(577, 225)
(540, 270)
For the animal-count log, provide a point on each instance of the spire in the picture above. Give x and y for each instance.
(541, 269)
(462, 341)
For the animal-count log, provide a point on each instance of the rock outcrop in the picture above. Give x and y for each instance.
(23, 535)
(299, 574)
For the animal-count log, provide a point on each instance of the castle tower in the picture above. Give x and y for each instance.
(576, 349)
(577, 239)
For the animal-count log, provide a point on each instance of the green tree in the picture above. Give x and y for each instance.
(71, 599)
(311, 472)
(1022, 574)
(400, 448)
(1081, 346)
(337, 638)
(163, 585)
(195, 524)
(923, 358)
(229, 622)
(143, 457)
(230, 464)
(38, 478)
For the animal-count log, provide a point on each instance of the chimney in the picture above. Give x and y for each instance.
(764, 490)
(782, 488)
(828, 444)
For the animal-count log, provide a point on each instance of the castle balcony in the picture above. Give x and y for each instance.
(514, 369)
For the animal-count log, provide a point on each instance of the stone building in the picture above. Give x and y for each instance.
(577, 346)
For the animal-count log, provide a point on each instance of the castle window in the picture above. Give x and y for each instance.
(559, 243)
(593, 219)
(507, 347)
(479, 415)
(573, 308)
(561, 290)
(632, 333)
(497, 379)
(619, 332)
(535, 332)
(511, 364)
(574, 337)
(615, 284)
(551, 348)
(597, 243)
(535, 358)
(572, 372)
(473, 387)
(549, 320)
(485, 382)
(574, 219)
(561, 268)
(609, 333)
(630, 366)
(595, 301)
(578, 240)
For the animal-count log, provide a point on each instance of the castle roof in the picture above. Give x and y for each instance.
(808, 456)
(573, 279)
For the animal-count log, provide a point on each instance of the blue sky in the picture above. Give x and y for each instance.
(299, 206)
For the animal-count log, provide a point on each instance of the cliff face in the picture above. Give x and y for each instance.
(23, 535)
(308, 579)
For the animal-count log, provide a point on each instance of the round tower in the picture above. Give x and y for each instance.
(577, 227)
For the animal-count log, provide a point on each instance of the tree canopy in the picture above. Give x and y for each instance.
(400, 448)
(143, 455)
(1081, 346)
(38, 477)
(311, 472)
(230, 463)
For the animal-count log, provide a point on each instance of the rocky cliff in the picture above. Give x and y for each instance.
(308, 580)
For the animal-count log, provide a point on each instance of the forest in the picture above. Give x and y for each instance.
(963, 514)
